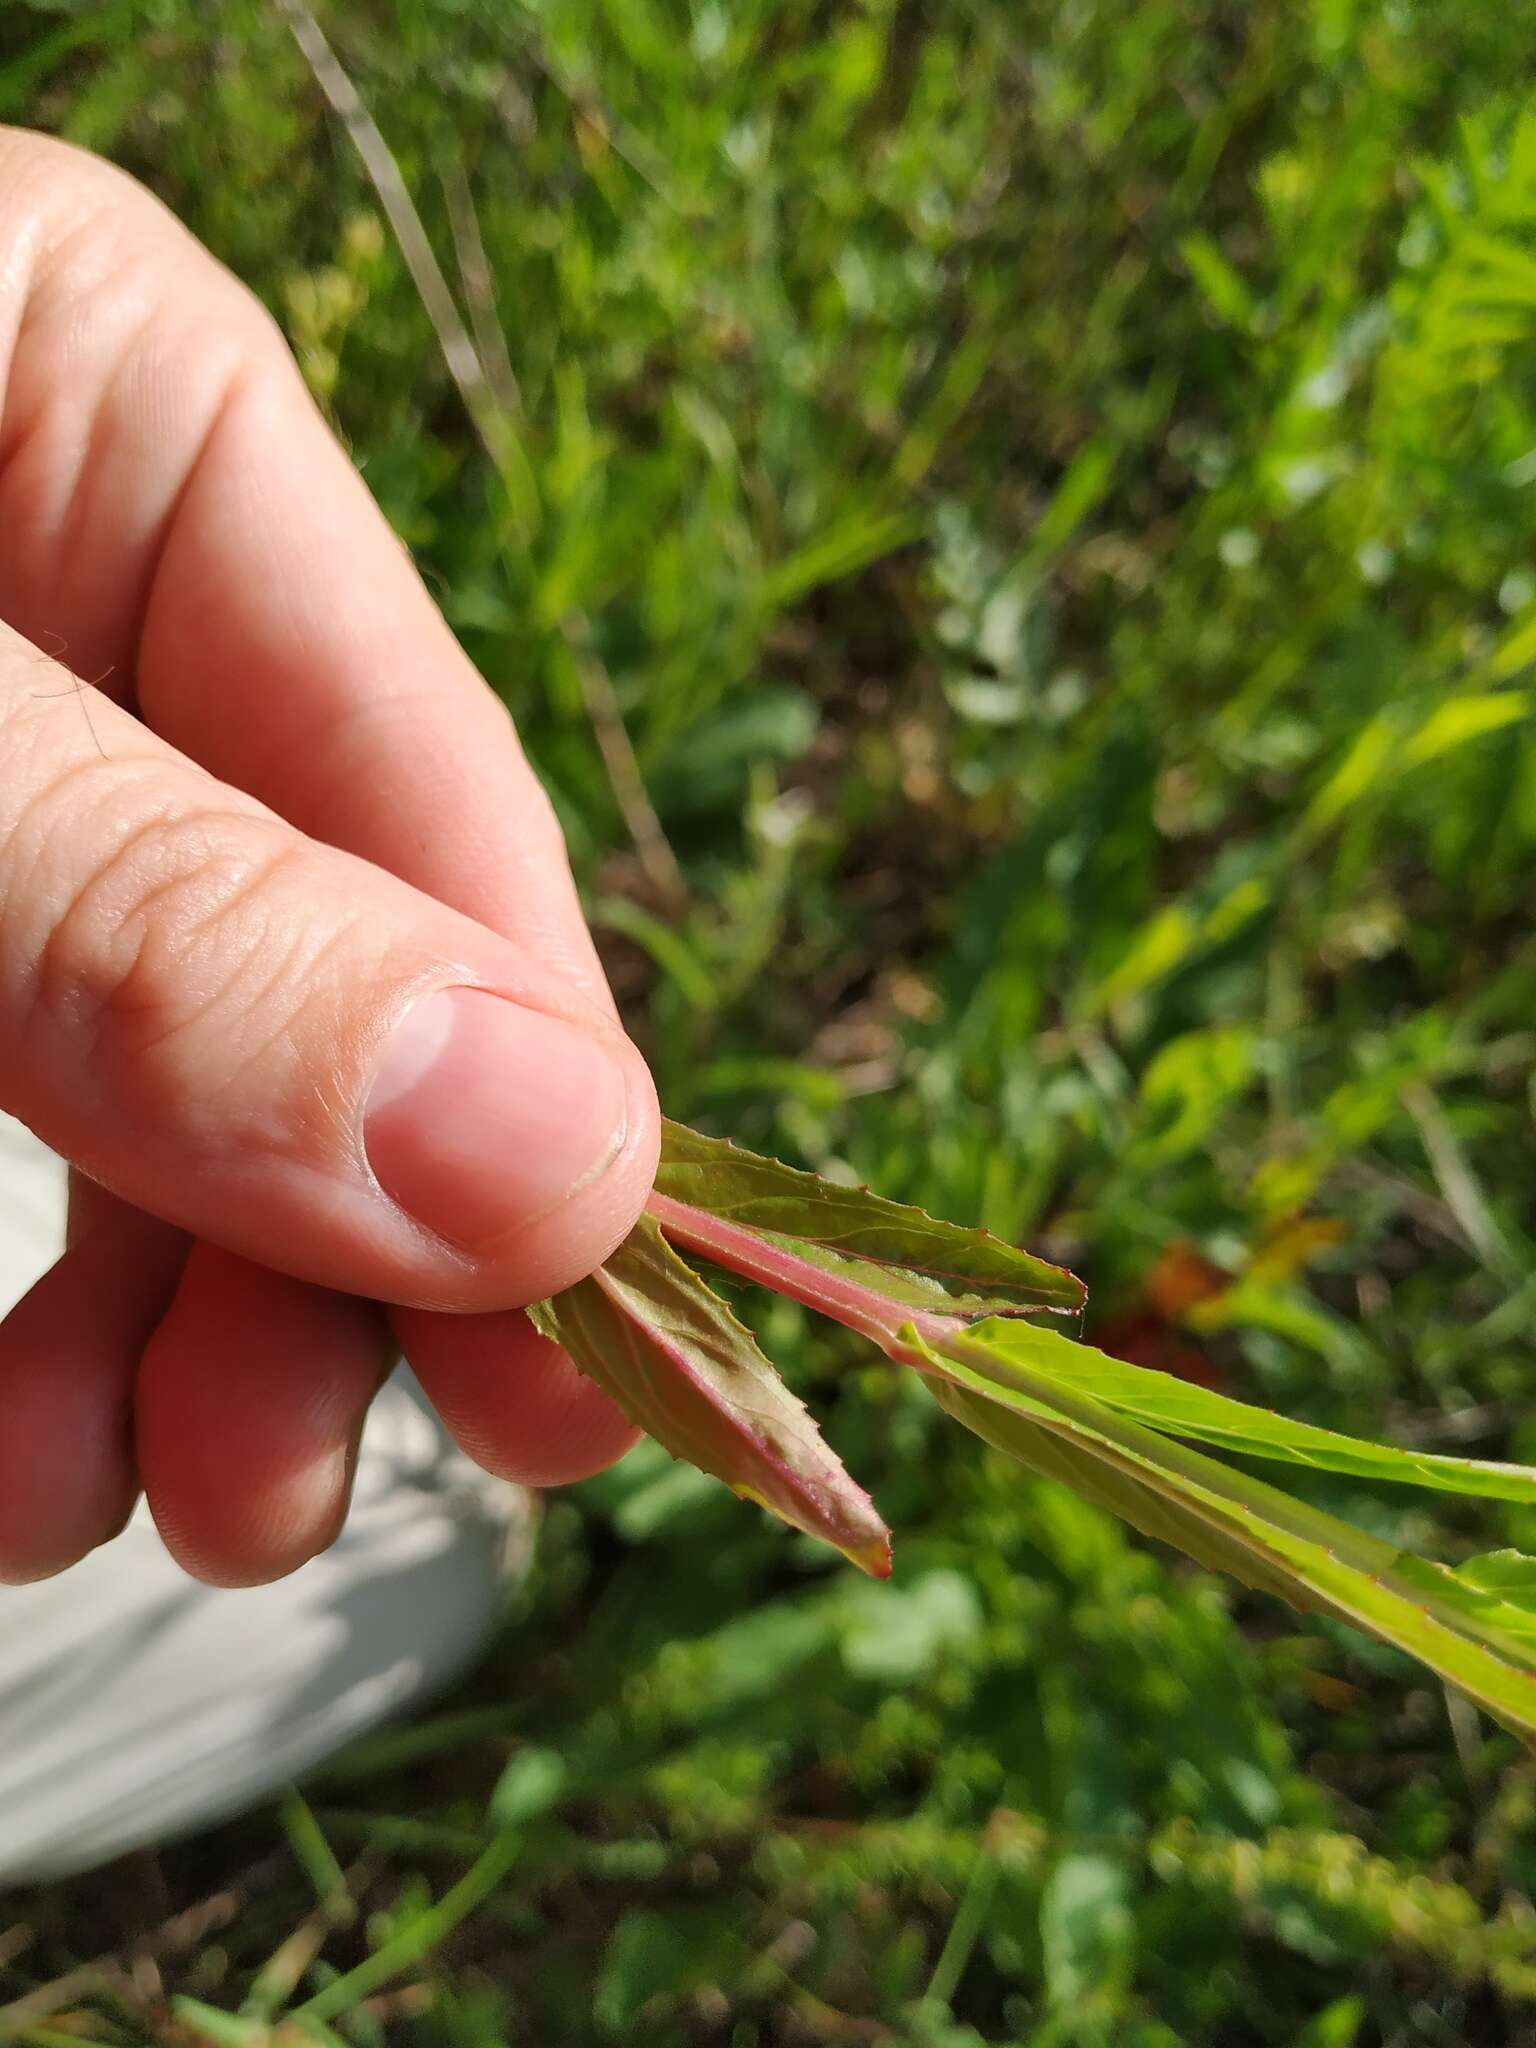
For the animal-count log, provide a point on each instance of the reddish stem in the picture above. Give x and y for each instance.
(776, 1266)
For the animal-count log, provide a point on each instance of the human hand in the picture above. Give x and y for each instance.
(291, 966)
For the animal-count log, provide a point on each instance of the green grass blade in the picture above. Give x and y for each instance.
(417, 1940)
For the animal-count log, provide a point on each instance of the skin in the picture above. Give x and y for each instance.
(286, 757)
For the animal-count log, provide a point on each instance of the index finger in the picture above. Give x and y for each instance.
(176, 511)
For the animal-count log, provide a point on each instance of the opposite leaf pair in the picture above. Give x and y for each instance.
(950, 1302)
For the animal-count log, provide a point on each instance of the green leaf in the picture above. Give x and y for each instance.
(1336, 2026)
(1176, 1408)
(867, 1262)
(1476, 1627)
(1460, 719)
(645, 1959)
(897, 1634)
(666, 1347)
(649, 1330)
(862, 537)
(1498, 1589)
(528, 1788)
(654, 1961)
(223, 2029)
(1106, 1486)
(1087, 1930)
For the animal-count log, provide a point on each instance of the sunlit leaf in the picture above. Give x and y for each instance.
(1477, 1631)
(650, 1333)
(1175, 1407)
(648, 1329)
(849, 1253)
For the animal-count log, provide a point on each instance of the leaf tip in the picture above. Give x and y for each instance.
(869, 1548)
(873, 1556)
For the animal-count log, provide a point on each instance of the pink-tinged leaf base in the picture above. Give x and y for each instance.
(950, 1302)
(650, 1332)
(774, 1264)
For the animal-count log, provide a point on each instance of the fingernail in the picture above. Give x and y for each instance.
(484, 1115)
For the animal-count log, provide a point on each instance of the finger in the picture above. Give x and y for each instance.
(69, 1353)
(177, 512)
(213, 528)
(250, 1404)
(292, 1053)
(513, 1400)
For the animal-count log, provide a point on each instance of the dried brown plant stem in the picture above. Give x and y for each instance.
(479, 287)
(607, 720)
(384, 173)
(488, 399)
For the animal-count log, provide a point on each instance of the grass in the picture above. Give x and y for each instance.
(1050, 491)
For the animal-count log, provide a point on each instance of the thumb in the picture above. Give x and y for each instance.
(284, 1049)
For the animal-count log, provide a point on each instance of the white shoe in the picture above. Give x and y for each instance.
(136, 1704)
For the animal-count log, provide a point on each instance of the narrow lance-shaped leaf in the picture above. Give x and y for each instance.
(1094, 1478)
(1174, 1407)
(667, 1348)
(872, 1264)
(650, 1331)
(1476, 1627)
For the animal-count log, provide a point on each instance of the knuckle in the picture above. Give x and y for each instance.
(56, 175)
(169, 949)
(92, 230)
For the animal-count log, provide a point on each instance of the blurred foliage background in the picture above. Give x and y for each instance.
(1048, 487)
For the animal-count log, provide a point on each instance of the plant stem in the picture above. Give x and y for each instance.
(417, 1941)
